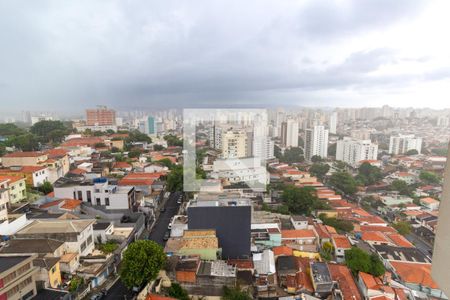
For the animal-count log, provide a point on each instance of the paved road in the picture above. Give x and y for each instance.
(160, 228)
(118, 291)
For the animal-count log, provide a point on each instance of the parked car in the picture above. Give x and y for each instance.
(166, 235)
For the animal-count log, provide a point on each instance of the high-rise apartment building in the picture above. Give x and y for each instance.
(333, 122)
(151, 125)
(353, 151)
(441, 253)
(316, 142)
(234, 144)
(100, 116)
(289, 133)
(401, 144)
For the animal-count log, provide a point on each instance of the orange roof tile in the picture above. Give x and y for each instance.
(56, 153)
(297, 234)
(347, 284)
(78, 171)
(158, 297)
(399, 240)
(377, 228)
(11, 178)
(23, 169)
(370, 281)
(71, 204)
(51, 203)
(282, 250)
(429, 200)
(121, 165)
(413, 272)
(374, 236)
(341, 241)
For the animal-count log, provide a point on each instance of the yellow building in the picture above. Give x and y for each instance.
(17, 188)
(49, 271)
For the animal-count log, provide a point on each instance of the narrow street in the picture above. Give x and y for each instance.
(118, 291)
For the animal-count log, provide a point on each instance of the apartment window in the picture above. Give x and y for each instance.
(53, 270)
(89, 240)
(98, 201)
(80, 195)
(83, 246)
(89, 196)
(10, 277)
(107, 201)
(74, 195)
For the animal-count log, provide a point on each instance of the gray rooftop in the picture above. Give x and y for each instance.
(7, 262)
(39, 246)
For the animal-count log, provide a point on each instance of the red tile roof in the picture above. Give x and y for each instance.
(282, 250)
(121, 165)
(241, 263)
(78, 171)
(56, 153)
(158, 297)
(71, 204)
(413, 272)
(347, 284)
(377, 228)
(399, 240)
(11, 178)
(84, 141)
(297, 234)
(341, 241)
(23, 169)
(374, 236)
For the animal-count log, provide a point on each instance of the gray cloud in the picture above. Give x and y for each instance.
(198, 53)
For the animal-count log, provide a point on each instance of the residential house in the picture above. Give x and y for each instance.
(4, 199)
(321, 279)
(16, 187)
(78, 235)
(430, 203)
(34, 175)
(342, 275)
(49, 273)
(42, 247)
(340, 243)
(300, 236)
(96, 192)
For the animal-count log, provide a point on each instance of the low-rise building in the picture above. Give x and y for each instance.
(16, 187)
(34, 175)
(17, 277)
(96, 192)
(340, 244)
(321, 279)
(430, 203)
(77, 235)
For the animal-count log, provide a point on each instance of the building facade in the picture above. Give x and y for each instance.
(401, 144)
(316, 142)
(353, 151)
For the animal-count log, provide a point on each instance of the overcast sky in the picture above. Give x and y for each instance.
(69, 55)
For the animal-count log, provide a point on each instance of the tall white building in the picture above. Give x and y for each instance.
(401, 144)
(289, 133)
(333, 122)
(316, 142)
(353, 151)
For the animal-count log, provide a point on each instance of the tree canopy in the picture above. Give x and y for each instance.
(339, 224)
(402, 227)
(292, 155)
(172, 140)
(301, 200)
(319, 170)
(429, 178)
(360, 261)
(344, 182)
(175, 179)
(402, 187)
(50, 131)
(177, 292)
(235, 294)
(141, 262)
(412, 152)
(368, 174)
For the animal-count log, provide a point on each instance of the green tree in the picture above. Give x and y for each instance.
(108, 247)
(344, 182)
(46, 188)
(173, 140)
(319, 170)
(141, 262)
(50, 131)
(157, 147)
(401, 186)
(292, 155)
(412, 152)
(368, 174)
(327, 251)
(75, 283)
(429, 178)
(175, 179)
(177, 292)
(360, 261)
(301, 200)
(402, 227)
(25, 142)
(134, 153)
(10, 129)
(166, 162)
(339, 224)
(235, 294)
(316, 158)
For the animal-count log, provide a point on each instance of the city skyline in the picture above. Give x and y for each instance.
(302, 53)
